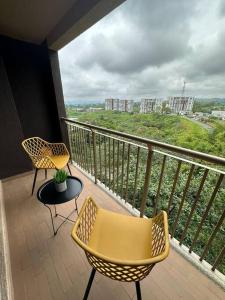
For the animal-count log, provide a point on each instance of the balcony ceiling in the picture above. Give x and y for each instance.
(56, 21)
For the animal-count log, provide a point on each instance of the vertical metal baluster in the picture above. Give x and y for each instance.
(105, 160)
(70, 140)
(207, 210)
(174, 186)
(109, 159)
(159, 185)
(78, 146)
(73, 145)
(194, 206)
(219, 223)
(113, 165)
(100, 157)
(218, 259)
(94, 154)
(83, 149)
(123, 152)
(117, 168)
(86, 150)
(136, 176)
(182, 200)
(90, 153)
(128, 166)
(147, 180)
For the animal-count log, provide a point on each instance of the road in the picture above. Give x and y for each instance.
(203, 125)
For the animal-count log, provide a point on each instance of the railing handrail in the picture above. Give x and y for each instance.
(196, 154)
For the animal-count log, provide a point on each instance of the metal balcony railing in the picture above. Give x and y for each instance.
(151, 176)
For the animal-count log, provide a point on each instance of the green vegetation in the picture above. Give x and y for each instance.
(176, 130)
(60, 176)
(207, 106)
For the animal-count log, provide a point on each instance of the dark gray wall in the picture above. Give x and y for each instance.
(28, 102)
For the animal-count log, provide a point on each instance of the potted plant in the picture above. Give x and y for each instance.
(60, 180)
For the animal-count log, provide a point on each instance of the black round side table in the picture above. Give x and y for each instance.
(48, 195)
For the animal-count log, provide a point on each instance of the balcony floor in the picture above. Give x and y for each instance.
(47, 267)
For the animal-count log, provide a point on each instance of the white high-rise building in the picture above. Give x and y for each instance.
(119, 105)
(126, 105)
(111, 104)
(151, 105)
(116, 103)
(181, 105)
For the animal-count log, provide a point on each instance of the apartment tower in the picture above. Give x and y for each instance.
(181, 105)
(150, 105)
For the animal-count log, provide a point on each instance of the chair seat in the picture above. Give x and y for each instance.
(59, 161)
(121, 237)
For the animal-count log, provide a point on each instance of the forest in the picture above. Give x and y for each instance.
(172, 129)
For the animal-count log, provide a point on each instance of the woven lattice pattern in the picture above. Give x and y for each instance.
(119, 272)
(40, 152)
(87, 221)
(58, 149)
(122, 272)
(158, 235)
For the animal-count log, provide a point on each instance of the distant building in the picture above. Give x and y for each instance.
(126, 105)
(180, 105)
(109, 104)
(218, 114)
(151, 105)
(93, 109)
(119, 105)
(116, 103)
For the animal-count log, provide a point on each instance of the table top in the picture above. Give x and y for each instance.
(47, 193)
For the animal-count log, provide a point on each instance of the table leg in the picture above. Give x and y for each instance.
(57, 214)
(53, 227)
(55, 211)
(75, 201)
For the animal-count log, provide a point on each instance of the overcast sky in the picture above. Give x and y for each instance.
(147, 48)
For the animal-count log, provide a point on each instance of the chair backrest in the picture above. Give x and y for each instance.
(160, 235)
(36, 148)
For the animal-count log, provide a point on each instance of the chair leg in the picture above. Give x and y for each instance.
(35, 177)
(46, 173)
(138, 290)
(89, 284)
(69, 169)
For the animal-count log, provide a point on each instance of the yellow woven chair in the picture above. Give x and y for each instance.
(121, 247)
(46, 155)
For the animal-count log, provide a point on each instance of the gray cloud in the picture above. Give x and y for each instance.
(207, 61)
(154, 33)
(147, 48)
(222, 8)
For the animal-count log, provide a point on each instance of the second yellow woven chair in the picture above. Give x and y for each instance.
(121, 247)
(46, 155)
